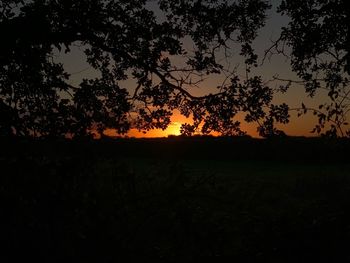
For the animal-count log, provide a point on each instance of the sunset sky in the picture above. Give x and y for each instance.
(277, 65)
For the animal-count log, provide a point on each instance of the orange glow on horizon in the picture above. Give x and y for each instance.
(173, 129)
(297, 127)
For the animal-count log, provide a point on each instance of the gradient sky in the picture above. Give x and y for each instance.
(75, 64)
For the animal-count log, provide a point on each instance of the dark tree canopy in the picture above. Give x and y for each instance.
(319, 36)
(125, 39)
(128, 40)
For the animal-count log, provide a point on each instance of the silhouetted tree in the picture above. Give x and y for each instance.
(131, 40)
(319, 41)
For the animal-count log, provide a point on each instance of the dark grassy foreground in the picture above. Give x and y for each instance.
(178, 200)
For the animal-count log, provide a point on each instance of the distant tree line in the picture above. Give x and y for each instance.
(144, 41)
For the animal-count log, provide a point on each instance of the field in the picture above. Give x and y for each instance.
(176, 200)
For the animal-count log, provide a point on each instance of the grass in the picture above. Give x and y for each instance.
(104, 207)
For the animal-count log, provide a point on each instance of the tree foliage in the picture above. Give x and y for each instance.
(166, 48)
(318, 35)
(126, 39)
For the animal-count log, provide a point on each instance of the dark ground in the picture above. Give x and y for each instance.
(176, 200)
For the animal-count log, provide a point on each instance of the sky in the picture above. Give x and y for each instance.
(277, 65)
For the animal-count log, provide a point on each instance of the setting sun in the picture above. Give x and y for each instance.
(174, 128)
